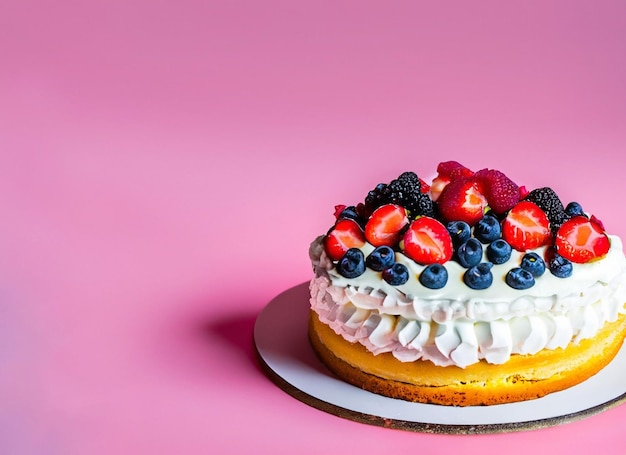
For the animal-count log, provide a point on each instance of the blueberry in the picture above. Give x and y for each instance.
(396, 275)
(469, 253)
(459, 231)
(479, 276)
(533, 263)
(499, 251)
(351, 264)
(381, 258)
(560, 266)
(574, 209)
(434, 276)
(519, 278)
(350, 213)
(487, 229)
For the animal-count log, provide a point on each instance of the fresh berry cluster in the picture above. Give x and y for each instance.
(474, 218)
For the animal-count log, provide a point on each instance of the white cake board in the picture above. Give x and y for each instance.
(280, 336)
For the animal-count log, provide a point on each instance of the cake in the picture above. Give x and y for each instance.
(470, 290)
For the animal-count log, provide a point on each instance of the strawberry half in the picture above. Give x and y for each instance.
(427, 241)
(582, 240)
(344, 235)
(385, 224)
(461, 200)
(526, 226)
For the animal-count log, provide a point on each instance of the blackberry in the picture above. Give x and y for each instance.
(549, 202)
(374, 199)
(406, 191)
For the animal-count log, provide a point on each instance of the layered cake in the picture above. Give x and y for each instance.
(468, 290)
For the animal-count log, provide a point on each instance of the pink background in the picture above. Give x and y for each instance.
(164, 166)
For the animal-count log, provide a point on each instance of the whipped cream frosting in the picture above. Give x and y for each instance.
(457, 325)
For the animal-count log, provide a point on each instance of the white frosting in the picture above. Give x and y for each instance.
(457, 325)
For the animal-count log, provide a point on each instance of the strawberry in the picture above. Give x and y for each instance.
(461, 200)
(446, 172)
(437, 186)
(501, 192)
(424, 187)
(581, 240)
(344, 235)
(453, 169)
(385, 224)
(526, 226)
(427, 241)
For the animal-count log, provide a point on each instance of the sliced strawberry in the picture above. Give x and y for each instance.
(461, 200)
(582, 240)
(344, 235)
(501, 192)
(424, 187)
(437, 186)
(427, 241)
(385, 224)
(526, 226)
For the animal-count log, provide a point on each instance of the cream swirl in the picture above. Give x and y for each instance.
(458, 325)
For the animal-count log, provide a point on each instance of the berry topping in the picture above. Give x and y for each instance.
(446, 172)
(343, 212)
(461, 200)
(459, 232)
(385, 224)
(469, 253)
(453, 169)
(427, 241)
(479, 276)
(574, 209)
(501, 192)
(396, 275)
(487, 229)
(381, 258)
(499, 251)
(352, 264)
(549, 202)
(344, 235)
(406, 191)
(434, 276)
(581, 240)
(519, 278)
(557, 264)
(526, 227)
(533, 263)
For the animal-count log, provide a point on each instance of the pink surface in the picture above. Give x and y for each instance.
(164, 166)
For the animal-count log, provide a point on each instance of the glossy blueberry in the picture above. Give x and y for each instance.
(499, 251)
(487, 229)
(434, 276)
(351, 264)
(479, 276)
(381, 258)
(469, 253)
(560, 266)
(574, 209)
(459, 231)
(350, 213)
(396, 275)
(533, 263)
(518, 278)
